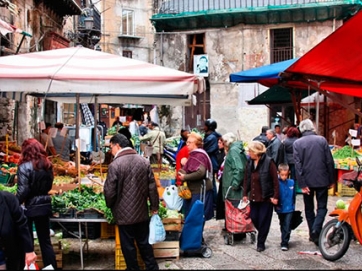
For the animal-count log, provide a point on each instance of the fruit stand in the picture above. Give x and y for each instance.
(345, 161)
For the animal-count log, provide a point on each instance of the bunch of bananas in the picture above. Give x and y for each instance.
(184, 192)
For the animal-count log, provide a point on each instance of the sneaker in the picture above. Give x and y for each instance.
(284, 248)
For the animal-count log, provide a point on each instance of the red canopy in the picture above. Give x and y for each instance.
(334, 64)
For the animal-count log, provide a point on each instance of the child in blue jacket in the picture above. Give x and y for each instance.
(286, 204)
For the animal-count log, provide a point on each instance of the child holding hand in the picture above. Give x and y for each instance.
(286, 204)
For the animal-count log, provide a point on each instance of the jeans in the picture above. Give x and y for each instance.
(284, 222)
(315, 220)
(42, 227)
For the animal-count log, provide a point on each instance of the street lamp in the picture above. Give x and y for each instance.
(88, 23)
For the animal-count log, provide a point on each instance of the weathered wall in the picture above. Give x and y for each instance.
(142, 47)
(231, 50)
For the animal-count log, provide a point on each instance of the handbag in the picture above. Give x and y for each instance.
(184, 191)
(149, 148)
(296, 220)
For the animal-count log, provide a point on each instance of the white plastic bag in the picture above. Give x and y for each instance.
(171, 198)
(157, 230)
(32, 266)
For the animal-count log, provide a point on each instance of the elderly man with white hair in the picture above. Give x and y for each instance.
(314, 168)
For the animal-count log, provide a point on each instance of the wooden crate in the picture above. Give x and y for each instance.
(167, 249)
(345, 191)
(108, 230)
(57, 246)
(172, 224)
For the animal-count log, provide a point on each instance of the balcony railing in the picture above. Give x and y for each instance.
(195, 14)
(87, 14)
(187, 6)
(64, 7)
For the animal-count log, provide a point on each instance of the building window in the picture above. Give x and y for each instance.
(127, 53)
(196, 44)
(281, 44)
(127, 27)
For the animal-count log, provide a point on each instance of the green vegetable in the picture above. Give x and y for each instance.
(344, 152)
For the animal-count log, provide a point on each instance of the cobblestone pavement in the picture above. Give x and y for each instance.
(241, 255)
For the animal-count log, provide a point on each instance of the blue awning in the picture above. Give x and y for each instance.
(256, 75)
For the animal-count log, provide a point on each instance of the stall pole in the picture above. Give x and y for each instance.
(77, 140)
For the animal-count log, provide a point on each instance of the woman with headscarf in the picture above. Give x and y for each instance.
(197, 169)
(261, 188)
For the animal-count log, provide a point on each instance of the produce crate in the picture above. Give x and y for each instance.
(172, 236)
(93, 228)
(120, 263)
(108, 230)
(57, 246)
(345, 191)
(4, 177)
(167, 249)
(68, 213)
(172, 224)
(89, 213)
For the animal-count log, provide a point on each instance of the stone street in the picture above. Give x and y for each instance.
(241, 255)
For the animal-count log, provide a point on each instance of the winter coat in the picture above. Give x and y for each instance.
(314, 164)
(15, 237)
(234, 170)
(273, 148)
(288, 143)
(262, 138)
(286, 202)
(33, 188)
(211, 147)
(261, 182)
(129, 185)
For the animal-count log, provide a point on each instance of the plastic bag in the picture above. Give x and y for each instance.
(33, 266)
(171, 198)
(157, 230)
(184, 191)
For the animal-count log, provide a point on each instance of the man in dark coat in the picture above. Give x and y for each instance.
(262, 137)
(211, 146)
(314, 168)
(130, 184)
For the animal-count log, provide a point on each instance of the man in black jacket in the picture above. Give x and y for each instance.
(129, 187)
(314, 168)
(262, 137)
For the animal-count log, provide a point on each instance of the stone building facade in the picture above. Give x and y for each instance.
(244, 47)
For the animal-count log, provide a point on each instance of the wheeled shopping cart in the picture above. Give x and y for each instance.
(191, 239)
(237, 220)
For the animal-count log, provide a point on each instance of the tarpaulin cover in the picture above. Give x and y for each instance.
(279, 95)
(335, 63)
(62, 73)
(267, 75)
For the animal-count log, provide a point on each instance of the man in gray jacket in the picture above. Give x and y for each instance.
(129, 185)
(314, 167)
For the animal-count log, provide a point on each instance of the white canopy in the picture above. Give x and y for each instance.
(62, 73)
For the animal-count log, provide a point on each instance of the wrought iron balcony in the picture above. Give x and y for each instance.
(190, 14)
(63, 7)
(88, 32)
